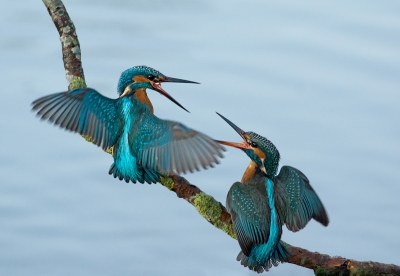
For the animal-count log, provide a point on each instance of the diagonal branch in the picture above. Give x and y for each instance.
(71, 50)
(322, 264)
(212, 210)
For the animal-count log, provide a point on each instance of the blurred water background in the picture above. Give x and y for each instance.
(320, 79)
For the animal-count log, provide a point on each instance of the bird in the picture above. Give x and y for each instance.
(263, 202)
(144, 147)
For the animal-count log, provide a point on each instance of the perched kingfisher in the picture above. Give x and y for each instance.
(263, 201)
(144, 147)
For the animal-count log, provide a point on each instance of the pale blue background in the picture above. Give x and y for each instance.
(318, 78)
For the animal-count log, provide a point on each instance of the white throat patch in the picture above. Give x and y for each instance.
(263, 167)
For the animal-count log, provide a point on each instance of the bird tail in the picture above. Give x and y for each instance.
(118, 174)
(134, 174)
(259, 261)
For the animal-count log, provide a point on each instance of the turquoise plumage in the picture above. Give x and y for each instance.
(262, 202)
(144, 146)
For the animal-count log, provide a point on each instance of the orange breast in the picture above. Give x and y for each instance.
(141, 96)
(250, 171)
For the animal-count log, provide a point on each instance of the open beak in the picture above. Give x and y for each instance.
(242, 133)
(158, 88)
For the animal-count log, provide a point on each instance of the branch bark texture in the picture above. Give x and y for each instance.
(71, 50)
(213, 211)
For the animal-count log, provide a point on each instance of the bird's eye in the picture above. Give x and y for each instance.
(253, 144)
(151, 77)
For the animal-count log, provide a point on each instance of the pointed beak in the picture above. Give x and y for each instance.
(158, 88)
(168, 79)
(242, 133)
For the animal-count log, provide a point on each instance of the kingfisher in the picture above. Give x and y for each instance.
(262, 202)
(144, 146)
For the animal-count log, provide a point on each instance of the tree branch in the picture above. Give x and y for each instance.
(322, 264)
(71, 50)
(213, 211)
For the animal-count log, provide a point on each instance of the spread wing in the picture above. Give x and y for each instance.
(84, 111)
(250, 215)
(296, 201)
(168, 146)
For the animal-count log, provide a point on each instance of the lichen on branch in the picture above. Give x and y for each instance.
(71, 49)
(210, 209)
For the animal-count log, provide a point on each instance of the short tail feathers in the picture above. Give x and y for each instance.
(150, 176)
(142, 175)
(259, 263)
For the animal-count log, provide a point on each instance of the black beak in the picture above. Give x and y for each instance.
(243, 145)
(168, 79)
(240, 131)
(157, 87)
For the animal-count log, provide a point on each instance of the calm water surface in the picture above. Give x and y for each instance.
(318, 78)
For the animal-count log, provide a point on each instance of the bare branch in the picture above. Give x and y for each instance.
(212, 210)
(326, 265)
(71, 49)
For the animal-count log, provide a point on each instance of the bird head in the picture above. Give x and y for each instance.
(260, 150)
(145, 77)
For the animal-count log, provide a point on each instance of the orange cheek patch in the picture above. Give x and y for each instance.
(259, 153)
(140, 79)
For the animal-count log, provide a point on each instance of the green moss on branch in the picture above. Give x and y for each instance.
(211, 210)
(167, 181)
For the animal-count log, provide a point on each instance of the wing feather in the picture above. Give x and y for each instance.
(296, 201)
(250, 215)
(169, 147)
(84, 111)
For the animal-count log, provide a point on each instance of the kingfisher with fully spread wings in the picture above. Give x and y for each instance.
(262, 202)
(144, 146)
